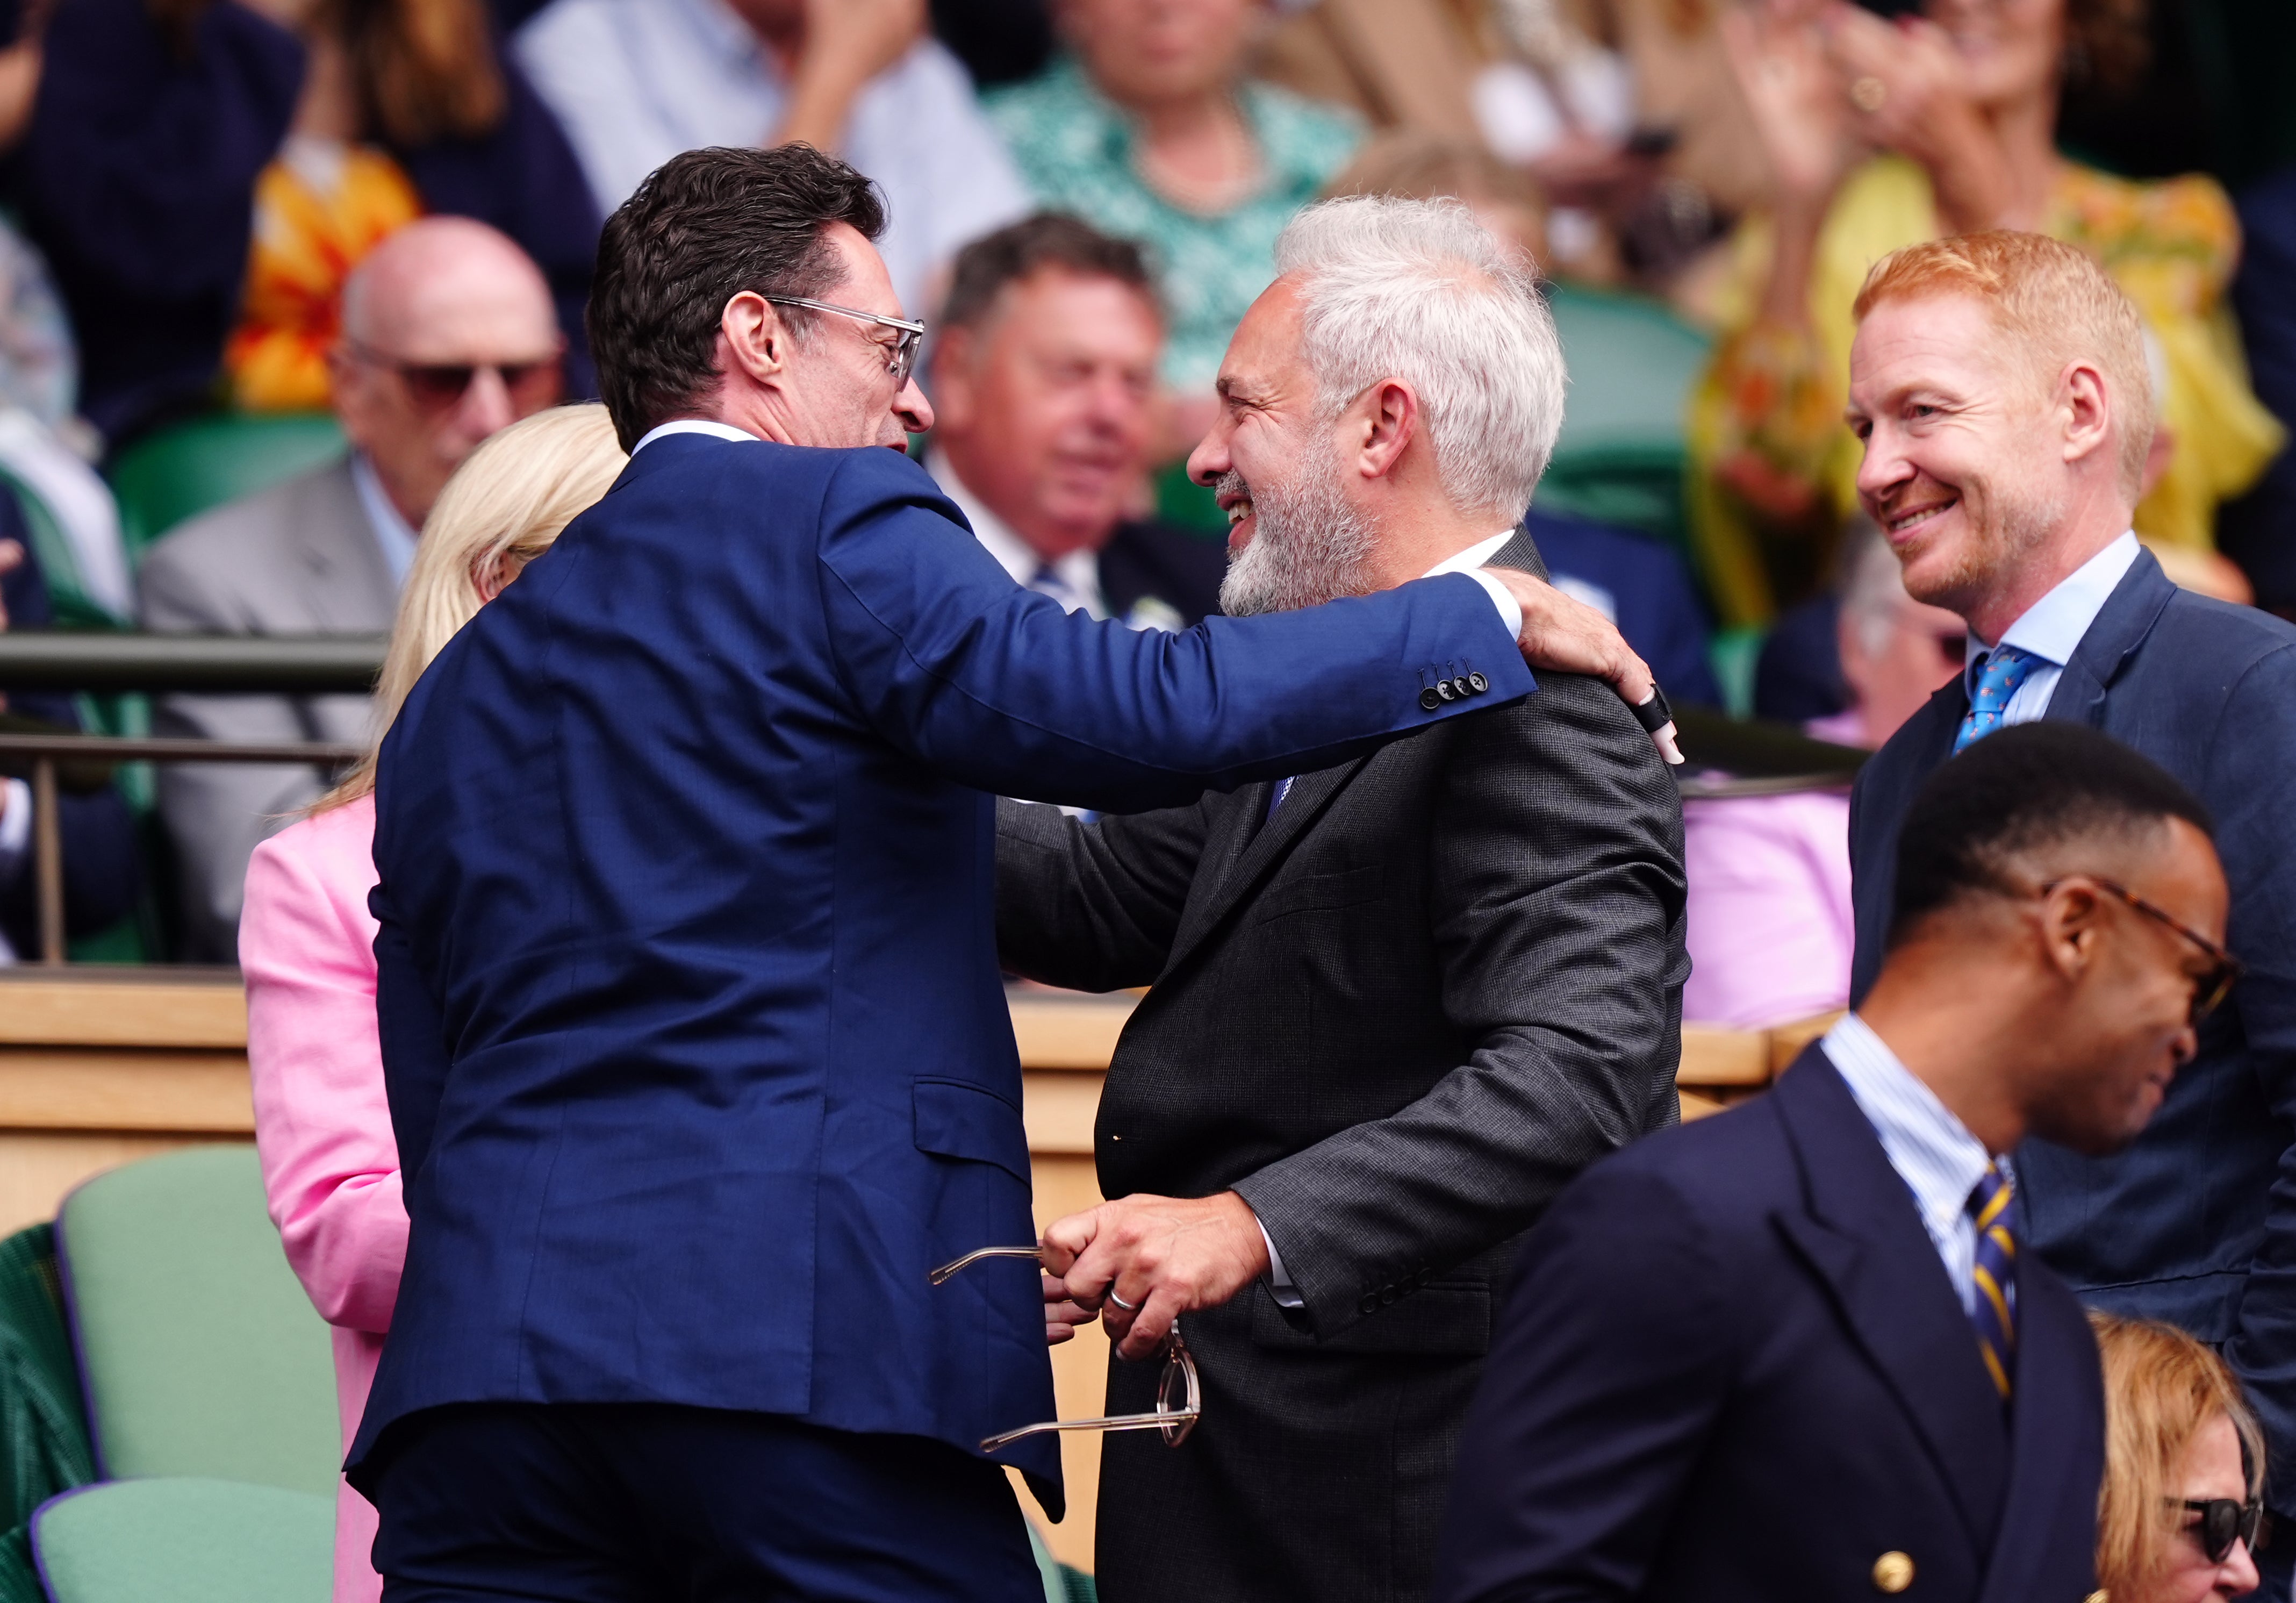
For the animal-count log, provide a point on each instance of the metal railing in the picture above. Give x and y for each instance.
(213, 664)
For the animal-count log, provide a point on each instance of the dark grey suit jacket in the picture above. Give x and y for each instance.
(1397, 1019)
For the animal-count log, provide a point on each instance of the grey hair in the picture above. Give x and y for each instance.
(1419, 291)
(1873, 587)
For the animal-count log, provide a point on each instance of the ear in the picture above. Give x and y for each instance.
(2085, 404)
(1382, 425)
(753, 338)
(954, 350)
(2071, 916)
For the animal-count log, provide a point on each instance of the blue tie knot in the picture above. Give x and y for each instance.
(2000, 673)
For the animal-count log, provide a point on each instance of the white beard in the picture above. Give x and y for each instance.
(1311, 547)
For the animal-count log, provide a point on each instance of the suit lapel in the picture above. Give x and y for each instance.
(347, 584)
(2121, 627)
(1250, 856)
(1864, 1237)
(2056, 1387)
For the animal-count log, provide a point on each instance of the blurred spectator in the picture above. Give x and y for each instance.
(447, 336)
(999, 41)
(637, 81)
(100, 873)
(1043, 385)
(1634, 581)
(162, 127)
(2183, 1469)
(1962, 101)
(1150, 131)
(1771, 935)
(2258, 531)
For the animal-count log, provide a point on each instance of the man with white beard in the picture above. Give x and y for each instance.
(1397, 1004)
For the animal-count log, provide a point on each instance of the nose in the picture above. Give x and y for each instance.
(2239, 1572)
(911, 407)
(486, 407)
(2187, 1044)
(1884, 467)
(1211, 458)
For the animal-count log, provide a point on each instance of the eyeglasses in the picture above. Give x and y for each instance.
(903, 357)
(1179, 1392)
(439, 387)
(2223, 1521)
(2224, 970)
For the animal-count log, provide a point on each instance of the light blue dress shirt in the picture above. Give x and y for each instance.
(635, 82)
(1932, 1151)
(393, 534)
(2051, 628)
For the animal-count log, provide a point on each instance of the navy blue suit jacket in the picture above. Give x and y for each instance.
(1733, 1369)
(1652, 598)
(695, 1041)
(2196, 1223)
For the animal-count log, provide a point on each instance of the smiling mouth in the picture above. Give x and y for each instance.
(1901, 524)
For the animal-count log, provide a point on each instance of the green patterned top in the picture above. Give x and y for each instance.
(1074, 147)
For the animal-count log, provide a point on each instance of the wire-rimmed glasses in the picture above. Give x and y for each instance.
(1179, 1392)
(901, 360)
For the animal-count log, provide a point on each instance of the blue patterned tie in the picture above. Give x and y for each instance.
(1275, 798)
(1999, 673)
(1993, 1310)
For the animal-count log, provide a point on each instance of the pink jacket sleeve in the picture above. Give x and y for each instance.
(322, 1124)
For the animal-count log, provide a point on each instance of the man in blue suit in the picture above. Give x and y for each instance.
(696, 1047)
(1793, 1350)
(2000, 383)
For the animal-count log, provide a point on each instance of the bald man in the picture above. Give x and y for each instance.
(447, 335)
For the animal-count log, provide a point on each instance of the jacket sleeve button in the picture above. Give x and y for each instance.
(1893, 1572)
(1477, 683)
(1368, 1302)
(1429, 699)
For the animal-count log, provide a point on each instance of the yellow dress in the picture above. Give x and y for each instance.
(1769, 408)
(317, 212)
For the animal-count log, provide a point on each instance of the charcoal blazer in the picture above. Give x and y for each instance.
(1733, 1370)
(1396, 1018)
(2196, 1223)
(697, 1054)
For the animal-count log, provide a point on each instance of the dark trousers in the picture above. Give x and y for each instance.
(618, 1502)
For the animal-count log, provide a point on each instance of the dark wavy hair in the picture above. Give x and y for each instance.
(704, 227)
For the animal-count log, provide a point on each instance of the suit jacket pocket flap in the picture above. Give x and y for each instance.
(956, 1119)
(1445, 1319)
(1347, 888)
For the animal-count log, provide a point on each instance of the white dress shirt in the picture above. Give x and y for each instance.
(393, 535)
(1074, 579)
(2051, 628)
(15, 843)
(1932, 1151)
(635, 82)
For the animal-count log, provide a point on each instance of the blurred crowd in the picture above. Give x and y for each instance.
(388, 211)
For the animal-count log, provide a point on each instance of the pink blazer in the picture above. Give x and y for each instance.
(1769, 929)
(321, 1125)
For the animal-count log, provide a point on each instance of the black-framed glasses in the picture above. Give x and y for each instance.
(2224, 970)
(1179, 1391)
(903, 357)
(2223, 1521)
(438, 387)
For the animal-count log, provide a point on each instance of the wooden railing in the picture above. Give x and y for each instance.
(101, 1066)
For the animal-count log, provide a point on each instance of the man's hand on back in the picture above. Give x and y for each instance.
(1164, 1255)
(1564, 635)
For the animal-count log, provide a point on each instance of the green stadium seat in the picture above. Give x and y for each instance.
(1621, 455)
(199, 1352)
(180, 471)
(186, 1541)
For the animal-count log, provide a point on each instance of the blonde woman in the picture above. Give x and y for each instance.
(307, 940)
(2183, 1478)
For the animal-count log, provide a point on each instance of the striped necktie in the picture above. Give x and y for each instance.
(1999, 673)
(1994, 1309)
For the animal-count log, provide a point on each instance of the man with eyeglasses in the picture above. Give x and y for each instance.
(1799, 1349)
(697, 1049)
(447, 335)
(2001, 386)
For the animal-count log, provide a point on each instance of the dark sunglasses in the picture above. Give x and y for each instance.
(2224, 970)
(437, 387)
(2223, 1522)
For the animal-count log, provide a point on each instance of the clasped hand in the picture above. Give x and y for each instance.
(1159, 1256)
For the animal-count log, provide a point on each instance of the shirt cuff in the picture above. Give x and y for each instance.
(1509, 609)
(1287, 1296)
(15, 829)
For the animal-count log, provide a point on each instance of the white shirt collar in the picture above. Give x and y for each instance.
(392, 532)
(1473, 557)
(692, 426)
(1931, 1149)
(2051, 628)
(1077, 572)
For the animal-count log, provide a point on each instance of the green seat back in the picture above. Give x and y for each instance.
(199, 1353)
(182, 470)
(1621, 455)
(186, 1541)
